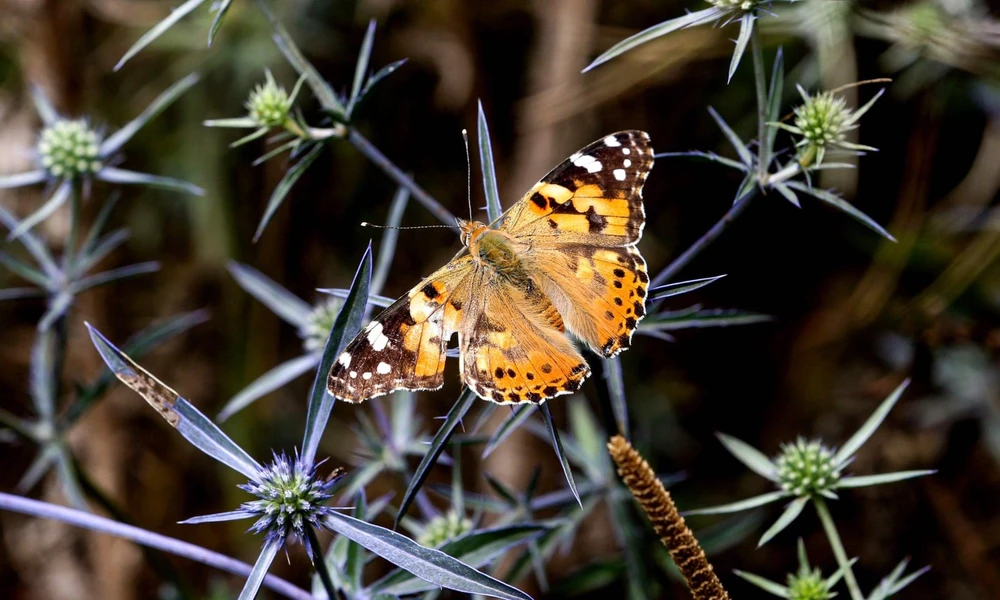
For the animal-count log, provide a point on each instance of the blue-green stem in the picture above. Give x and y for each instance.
(375, 155)
(320, 563)
(760, 84)
(838, 548)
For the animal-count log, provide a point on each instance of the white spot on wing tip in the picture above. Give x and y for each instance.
(611, 141)
(383, 368)
(344, 359)
(586, 161)
(619, 174)
(626, 151)
(366, 376)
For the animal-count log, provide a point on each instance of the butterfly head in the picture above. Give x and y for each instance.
(470, 230)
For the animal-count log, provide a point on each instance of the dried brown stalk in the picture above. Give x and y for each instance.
(667, 522)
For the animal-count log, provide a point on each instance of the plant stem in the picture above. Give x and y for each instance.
(320, 563)
(69, 250)
(682, 261)
(838, 548)
(86, 520)
(760, 81)
(373, 154)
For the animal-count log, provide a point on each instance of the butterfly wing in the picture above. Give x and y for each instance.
(404, 346)
(599, 291)
(513, 347)
(594, 197)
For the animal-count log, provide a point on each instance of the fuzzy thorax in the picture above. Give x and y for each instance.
(492, 248)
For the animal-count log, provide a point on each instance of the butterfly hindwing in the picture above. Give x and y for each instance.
(514, 348)
(600, 292)
(594, 196)
(404, 346)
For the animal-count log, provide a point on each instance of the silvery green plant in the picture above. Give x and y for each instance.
(71, 152)
(810, 472)
(291, 493)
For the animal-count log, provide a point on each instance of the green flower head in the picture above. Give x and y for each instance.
(319, 323)
(269, 104)
(807, 468)
(443, 529)
(69, 148)
(822, 122)
(735, 5)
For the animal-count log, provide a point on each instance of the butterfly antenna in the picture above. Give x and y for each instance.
(367, 224)
(468, 171)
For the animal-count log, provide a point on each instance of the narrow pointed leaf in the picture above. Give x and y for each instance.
(41, 464)
(259, 571)
(259, 133)
(115, 175)
(378, 76)
(322, 90)
(373, 299)
(283, 303)
(560, 454)
(354, 563)
(32, 244)
(345, 327)
(20, 293)
(514, 420)
(734, 140)
(774, 96)
(115, 274)
(58, 198)
(437, 446)
(221, 7)
(792, 511)
(26, 271)
(493, 208)
(616, 393)
(43, 374)
(94, 252)
(659, 30)
(741, 505)
(175, 15)
(43, 106)
(753, 458)
(267, 383)
(768, 586)
(866, 480)
(428, 564)
(22, 179)
(710, 156)
(898, 586)
(789, 195)
(746, 28)
(361, 67)
(178, 412)
(285, 185)
(234, 123)
(68, 478)
(855, 442)
(293, 145)
(669, 290)
(476, 549)
(232, 515)
(387, 247)
(118, 139)
(839, 203)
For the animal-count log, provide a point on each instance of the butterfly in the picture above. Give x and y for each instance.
(563, 259)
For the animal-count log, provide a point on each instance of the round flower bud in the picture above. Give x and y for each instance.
(69, 148)
(808, 585)
(443, 529)
(319, 323)
(807, 468)
(269, 104)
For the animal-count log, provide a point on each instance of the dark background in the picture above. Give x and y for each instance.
(853, 314)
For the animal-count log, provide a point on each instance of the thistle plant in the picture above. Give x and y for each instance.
(806, 583)
(822, 122)
(71, 152)
(809, 472)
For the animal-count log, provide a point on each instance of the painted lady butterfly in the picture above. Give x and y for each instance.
(563, 258)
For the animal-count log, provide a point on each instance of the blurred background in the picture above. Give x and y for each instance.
(853, 314)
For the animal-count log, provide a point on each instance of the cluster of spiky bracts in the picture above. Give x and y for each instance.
(269, 104)
(69, 148)
(318, 324)
(289, 496)
(444, 528)
(807, 468)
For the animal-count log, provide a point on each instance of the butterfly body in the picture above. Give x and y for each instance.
(563, 259)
